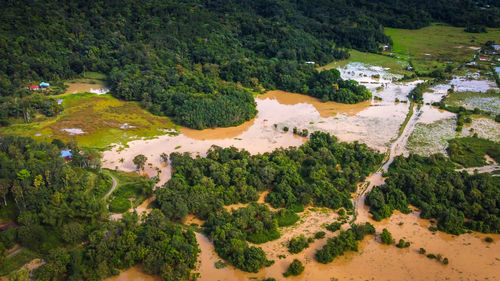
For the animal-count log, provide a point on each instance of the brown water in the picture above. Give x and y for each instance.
(134, 273)
(374, 123)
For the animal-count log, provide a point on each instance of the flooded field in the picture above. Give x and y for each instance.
(96, 88)
(376, 123)
(472, 83)
(484, 127)
(489, 101)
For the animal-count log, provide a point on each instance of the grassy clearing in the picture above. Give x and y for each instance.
(16, 261)
(131, 191)
(470, 152)
(489, 101)
(103, 119)
(431, 47)
(396, 66)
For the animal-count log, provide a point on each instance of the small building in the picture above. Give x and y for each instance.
(44, 85)
(66, 154)
(34, 87)
(385, 48)
(471, 63)
(310, 62)
(496, 47)
(483, 58)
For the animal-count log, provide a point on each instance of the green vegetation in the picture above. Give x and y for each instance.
(297, 244)
(16, 261)
(230, 232)
(185, 63)
(295, 268)
(334, 226)
(345, 241)
(101, 118)
(442, 44)
(457, 200)
(62, 217)
(395, 65)
(403, 244)
(319, 235)
(386, 237)
(470, 152)
(130, 191)
(119, 205)
(286, 217)
(488, 239)
(295, 177)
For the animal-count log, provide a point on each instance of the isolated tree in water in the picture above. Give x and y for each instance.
(139, 161)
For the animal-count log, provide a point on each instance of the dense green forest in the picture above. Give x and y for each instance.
(457, 200)
(198, 60)
(322, 172)
(58, 205)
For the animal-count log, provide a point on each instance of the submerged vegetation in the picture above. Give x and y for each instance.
(345, 241)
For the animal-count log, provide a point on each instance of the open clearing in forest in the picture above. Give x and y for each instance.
(395, 66)
(128, 192)
(432, 47)
(102, 118)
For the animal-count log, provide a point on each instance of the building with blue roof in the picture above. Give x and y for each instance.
(66, 154)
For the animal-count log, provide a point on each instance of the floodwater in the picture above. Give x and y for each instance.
(97, 88)
(472, 84)
(375, 123)
(134, 273)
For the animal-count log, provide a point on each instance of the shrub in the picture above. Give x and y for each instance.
(403, 244)
(488, 239)
(319, 235)
(333, 226)
(445, 261)
(386, 237)
(421, 251)
(297, 244)
(295, 268)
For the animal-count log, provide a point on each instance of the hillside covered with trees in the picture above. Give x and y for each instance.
(58, 213)
(198, 60)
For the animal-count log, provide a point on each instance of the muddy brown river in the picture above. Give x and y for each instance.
(375, 123)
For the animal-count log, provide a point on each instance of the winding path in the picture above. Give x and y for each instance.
(113, 187)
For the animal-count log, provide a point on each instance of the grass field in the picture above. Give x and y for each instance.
(470, 152)
(130, 185)
(396, 66)
(102, 119)
(433, 46)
